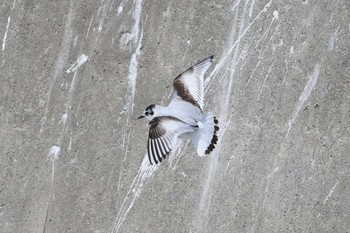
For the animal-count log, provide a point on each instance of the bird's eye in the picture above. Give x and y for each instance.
(146, 113)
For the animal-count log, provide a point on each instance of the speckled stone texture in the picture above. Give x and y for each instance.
(75, 75)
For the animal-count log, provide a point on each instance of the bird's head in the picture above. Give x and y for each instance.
(148, 113)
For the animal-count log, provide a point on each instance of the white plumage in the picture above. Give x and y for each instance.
(183, 117)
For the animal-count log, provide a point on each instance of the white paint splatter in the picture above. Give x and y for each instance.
(80, 61)
(54, 153)
(63, 119)
(304, 96)
(119, 10)
(121, 7)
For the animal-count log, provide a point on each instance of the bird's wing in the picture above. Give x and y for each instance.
(189, 85)
(163, 134)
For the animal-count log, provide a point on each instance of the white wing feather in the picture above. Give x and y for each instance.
(189, 85)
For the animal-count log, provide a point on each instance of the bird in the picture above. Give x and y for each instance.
(183, 117)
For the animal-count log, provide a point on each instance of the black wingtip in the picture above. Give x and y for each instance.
(214, 139)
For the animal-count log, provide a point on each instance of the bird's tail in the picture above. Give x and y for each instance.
(205, 138)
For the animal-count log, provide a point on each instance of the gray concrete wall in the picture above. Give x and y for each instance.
(76, 74)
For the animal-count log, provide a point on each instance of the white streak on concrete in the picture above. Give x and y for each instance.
(80, 61)
(275, 14)
(70, 144)
(75, 41)
(257, 211)
(267, 75)
(13, 5)
(176, 154)
(136, 40)
(261, 54)
(291, 50)
(228, 60)
(61, 59)
(88, 30)
(133, 76)
(63, 119)
(233, 46)
(5, 36)
(143, 176)
(7, 26)
(304, 96)
(251, 8)
(274, 171)
(330, 193)
(333, 40)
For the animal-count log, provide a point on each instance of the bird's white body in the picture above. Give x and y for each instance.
(180, 109)
(183, 117)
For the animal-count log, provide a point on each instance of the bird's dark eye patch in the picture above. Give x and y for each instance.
(146, 113)
(150, 107)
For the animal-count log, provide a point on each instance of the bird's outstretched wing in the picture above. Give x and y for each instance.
(189, 85)
(163, 134)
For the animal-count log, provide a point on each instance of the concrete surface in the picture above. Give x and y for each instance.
(76, 74)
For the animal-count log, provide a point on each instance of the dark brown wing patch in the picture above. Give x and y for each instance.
(162, 135)
(182, 90)
(156, 129)
(159, 145)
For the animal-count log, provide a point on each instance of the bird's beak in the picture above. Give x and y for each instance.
(140, 117)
